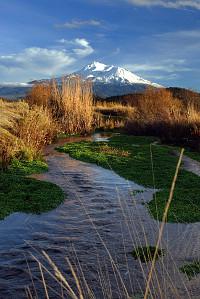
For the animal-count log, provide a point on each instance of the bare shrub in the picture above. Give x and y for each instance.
(39, 95)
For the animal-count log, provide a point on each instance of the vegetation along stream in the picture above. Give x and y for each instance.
(103, 223)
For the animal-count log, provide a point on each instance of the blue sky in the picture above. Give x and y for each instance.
(156, 39)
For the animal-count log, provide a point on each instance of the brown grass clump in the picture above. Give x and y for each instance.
(35, 129)
(70, 104)
(111, 115)
(108, 122)
(24, 131)
(10, 113)
(114, 108)
(158, 105)
(158, 113)
(39, 95)
(105, 148)
(26, 127)
(7, 149)
(73, 105)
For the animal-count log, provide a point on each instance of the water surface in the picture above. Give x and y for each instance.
(100, 217)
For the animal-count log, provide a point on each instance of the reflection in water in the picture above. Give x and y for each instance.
(99, 211)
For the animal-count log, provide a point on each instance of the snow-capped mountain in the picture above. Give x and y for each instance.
(99, 72)
(108, 80)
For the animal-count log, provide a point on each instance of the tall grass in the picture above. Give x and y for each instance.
(35, 129)
(111, 115)
(39, 95)
(158, 113)
(26, 127)
(108, 122)
(10, 114)
(75, 102)
(24, 131)
(114, 108)
(71, 103)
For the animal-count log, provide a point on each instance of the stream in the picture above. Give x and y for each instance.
(100, 222)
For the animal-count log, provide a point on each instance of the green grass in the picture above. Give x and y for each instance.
(191, 269)
(192, 154)
(21, 194)
(137, 167)
(65, 135)
(27, 167)
(146, 254)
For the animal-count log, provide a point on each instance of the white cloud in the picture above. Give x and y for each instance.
(75, 24)
(35, 62)
(162, 71)
(167, 66)
(167, 3)
(168, 77)
(182, 42)
(41, 60)
(195, 33)
(85, 49)
(62, 41)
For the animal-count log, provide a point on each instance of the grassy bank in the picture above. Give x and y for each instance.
(193, 155)
(191, 269)
(19, 193)
(142, 160)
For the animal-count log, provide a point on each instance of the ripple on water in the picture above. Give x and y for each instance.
(100, 209)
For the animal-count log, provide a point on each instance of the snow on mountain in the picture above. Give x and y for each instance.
(99, 72)
(108, 80)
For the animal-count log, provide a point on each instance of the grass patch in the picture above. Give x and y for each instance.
(191, 270)
(21, 194)
(27, 167)
(137, 166)
(146, 254)
(193, 155)
(135, 192)
(112, 151)
(65, 135)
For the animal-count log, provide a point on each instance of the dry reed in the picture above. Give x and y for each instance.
(158, 113)
(71, 103)
(24, 131)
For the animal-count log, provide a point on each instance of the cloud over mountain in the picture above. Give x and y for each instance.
(42, 61)
(75, 24)
(167, 3)
(85, 49)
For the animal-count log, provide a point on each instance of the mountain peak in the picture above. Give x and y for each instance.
(102, 73)
(108, 80)
(97, 66)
